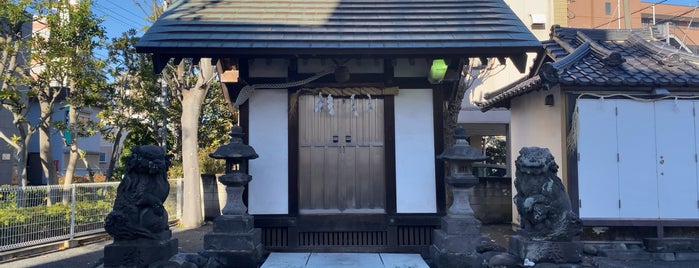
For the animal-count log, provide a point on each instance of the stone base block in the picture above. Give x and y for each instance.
(546, 251)
(445, 259)
(462, 226)
(456, 243)
(671, 244)
(687, 256)
(233, 241)
(249, 258)
(233, 223)
(635, 255)
(139, 252)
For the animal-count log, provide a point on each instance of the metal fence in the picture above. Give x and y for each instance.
(39, 214)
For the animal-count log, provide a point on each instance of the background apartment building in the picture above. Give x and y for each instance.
(625, 14)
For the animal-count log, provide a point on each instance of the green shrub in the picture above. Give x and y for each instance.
(31, 197)
(208, 165)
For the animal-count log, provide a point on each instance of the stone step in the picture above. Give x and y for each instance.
(672, 244)
(636, 255)
(343, 260)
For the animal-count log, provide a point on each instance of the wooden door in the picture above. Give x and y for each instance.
(341, 156)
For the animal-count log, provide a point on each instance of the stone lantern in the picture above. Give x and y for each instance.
(459, 159)
(454, 244)
(234, 242)
(236, 154)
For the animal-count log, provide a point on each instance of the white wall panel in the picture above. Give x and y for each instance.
(415, 155)
(677, 174)
(637, 166)
(696, 143)
(598, 181)
(268, 192)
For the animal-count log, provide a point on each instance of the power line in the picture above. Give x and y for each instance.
(620, 17)
(680, 15)
(121, 19)
(124, 9)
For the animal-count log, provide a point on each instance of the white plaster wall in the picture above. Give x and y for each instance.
(524, 9)
(415, 155)
(536, 124)
(268, 192)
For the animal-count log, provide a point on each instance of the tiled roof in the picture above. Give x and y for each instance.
(208, 28)
(594, 60)
(503, 95)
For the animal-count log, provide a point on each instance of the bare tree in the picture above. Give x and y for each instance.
(192, 83)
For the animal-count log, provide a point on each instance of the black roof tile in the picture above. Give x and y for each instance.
(618, 59)
(207, 28)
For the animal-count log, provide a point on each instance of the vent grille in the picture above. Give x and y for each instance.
(377, 238)
(275, 237)
(415, 235)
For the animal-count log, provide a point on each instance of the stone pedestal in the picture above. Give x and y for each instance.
(546, 251)
(234, 242)
(140, 252)
(454, 245)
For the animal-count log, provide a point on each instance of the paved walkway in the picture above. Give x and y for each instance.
(90, 255)
(192, 240)
(343, 260)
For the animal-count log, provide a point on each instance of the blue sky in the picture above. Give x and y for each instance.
(119, 16)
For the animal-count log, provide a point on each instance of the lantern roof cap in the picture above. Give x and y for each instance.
(461, 150)
(235, 148)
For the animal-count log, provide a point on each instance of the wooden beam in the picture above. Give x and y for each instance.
(224, 70)
(159, 62)
(520, 61)
(388, 71)
(227, 69)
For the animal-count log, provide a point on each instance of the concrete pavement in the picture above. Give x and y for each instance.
(192, 240)
(90, 255)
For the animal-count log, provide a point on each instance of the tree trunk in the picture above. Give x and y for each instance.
(21, 156)
(45, 144)
(115, 154)
(45, 153)
(192, 100)
(451, 117)
(74, 154)
(192, 212)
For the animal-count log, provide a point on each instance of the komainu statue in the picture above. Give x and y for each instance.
(543, 204)
(138, 210)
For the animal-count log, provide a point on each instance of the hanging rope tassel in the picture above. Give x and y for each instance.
(319, 104)
(249, 90)
(331, 106)
(354, 106)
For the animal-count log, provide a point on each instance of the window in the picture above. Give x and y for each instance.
(103, 157)
(607, 8)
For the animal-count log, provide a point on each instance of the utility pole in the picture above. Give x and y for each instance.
(627, 15)
(618, 14)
